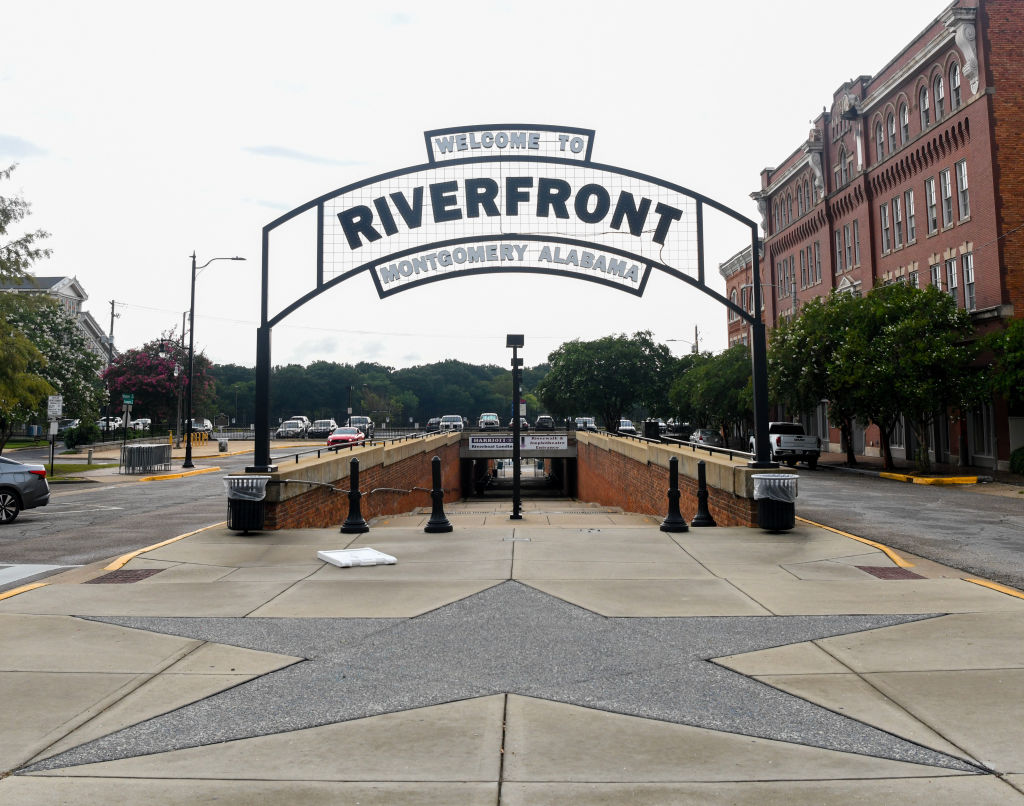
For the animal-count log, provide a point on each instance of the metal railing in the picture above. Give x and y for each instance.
(145, 458)
(398, 435)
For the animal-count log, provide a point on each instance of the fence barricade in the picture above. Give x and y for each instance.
(145, 458)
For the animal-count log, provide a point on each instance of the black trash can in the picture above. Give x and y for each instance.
(247, 508)
(775, 494)
(651, 430)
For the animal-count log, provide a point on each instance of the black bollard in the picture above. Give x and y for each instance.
(703, 516)
(354, 523)
(674, 522)
(438, 522)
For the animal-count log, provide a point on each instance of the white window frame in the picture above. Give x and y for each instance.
(962, 191)
(908, 198)
(949, 266)
(856, 242)
(932, 204)
(936, 275)
(904, 124)
(883, 216)
(946, 191)
(955, 99)
(839, 252)
(847, 245)
(897, 222)
(817, 261)
(967, 264)
(940, 98)
(922, 101)
(879, 142)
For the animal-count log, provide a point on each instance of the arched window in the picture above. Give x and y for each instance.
(890, 124)
(954, 86)
(904, 124)
(807, 195)
(800, 199)
(775, 215)
(939, 96)
(732, 314)
(879, 142)
(922, 102)
(789, 208)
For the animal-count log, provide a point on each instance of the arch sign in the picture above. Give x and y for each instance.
(505, 198)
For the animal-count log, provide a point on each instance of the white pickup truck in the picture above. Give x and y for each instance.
(789, 443)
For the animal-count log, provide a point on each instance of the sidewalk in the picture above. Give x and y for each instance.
(579, 655)
(874, 466)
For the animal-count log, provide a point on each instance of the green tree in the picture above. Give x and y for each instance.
(17, 255)
(716, 390)
(69, 366)
(609, 376)
(22, 390)
(801, 362)
(1007, 375)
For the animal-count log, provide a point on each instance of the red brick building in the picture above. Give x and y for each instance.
(916, 175)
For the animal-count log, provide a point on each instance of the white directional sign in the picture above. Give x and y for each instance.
(54, 406)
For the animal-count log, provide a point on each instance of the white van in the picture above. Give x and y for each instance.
(451, 422)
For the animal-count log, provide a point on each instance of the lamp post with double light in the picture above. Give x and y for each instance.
(191, 353)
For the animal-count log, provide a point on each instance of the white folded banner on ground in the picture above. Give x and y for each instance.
(346, 558)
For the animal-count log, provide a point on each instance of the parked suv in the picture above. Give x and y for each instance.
(451, 422)
(289, 429)
(488, 422)
(363, 423)
(545, 422)
(321, 429)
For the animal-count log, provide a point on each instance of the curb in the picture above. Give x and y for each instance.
(198, 472)
(907, 478)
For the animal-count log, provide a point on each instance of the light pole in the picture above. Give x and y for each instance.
(515, 341)
(191, 353)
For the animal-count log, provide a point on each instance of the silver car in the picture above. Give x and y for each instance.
(21, 487)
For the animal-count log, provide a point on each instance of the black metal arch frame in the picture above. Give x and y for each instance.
(261, 462)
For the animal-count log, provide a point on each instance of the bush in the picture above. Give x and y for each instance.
(1017, 461)
(85, 434)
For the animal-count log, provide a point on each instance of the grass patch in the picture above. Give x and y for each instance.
(62, 470)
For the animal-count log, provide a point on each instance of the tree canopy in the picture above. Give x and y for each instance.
(17, 255)
(716, 390)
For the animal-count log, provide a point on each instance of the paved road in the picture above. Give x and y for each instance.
(966, 527)
(84, 523)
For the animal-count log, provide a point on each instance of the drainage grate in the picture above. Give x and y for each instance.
(888, 572)
(124, 576)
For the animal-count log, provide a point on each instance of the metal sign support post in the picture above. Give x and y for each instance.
(515, 341)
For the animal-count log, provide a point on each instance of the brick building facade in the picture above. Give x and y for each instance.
(916, 175)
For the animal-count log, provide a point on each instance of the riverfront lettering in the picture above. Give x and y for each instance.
(474, 198)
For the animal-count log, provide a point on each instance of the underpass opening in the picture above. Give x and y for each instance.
(507, 198)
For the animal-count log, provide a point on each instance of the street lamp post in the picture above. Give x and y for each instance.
(515, 341)
(191, 353)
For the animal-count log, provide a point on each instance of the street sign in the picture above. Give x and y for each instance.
(128, 399)
(54, 406)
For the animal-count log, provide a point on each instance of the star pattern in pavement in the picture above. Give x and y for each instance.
(507, 639)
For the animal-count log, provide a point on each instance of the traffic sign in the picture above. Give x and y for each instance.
(128, 398)
(54, 406)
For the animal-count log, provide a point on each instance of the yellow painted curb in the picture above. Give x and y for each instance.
(892, 555)
(124, 558)
(22, 589)
(945, 480)
(996, 587)
(181, 475)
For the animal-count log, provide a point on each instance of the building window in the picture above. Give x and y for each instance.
(940, 98)
(897, 222)
(954, 86)
(951, 277)
(800, 199)
(936, 274)
(879, 143)
(890, 125)
(883, 215)
(803, 270)
(847, 245)
(922, 101)
(732, 314)
(839, 252)
(904, 124)
(817, 261)
(908, 198)
(962, 197)
(789, 208)
(856, 243)
(967, 262)
(913, 279)
(946, 187)
(933, 207)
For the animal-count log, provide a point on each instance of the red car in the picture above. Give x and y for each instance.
(345, 436)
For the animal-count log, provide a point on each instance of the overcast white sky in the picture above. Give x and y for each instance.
(145, 131)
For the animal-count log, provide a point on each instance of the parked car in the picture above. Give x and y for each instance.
(109, 423)
(290, 429)
(586, 424)
(321, 429)
(705, 436)
(64, 425)
(142, 424)
(545, 422)
(302, 418)
(488, 421)
(451, 422)
(662, 427)
(345, 435)
(201, 425)
(434, 424)
(680, 430)
(626, 427)
(789, 443)
(363, 423)
(22, 486)
(524, 424)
